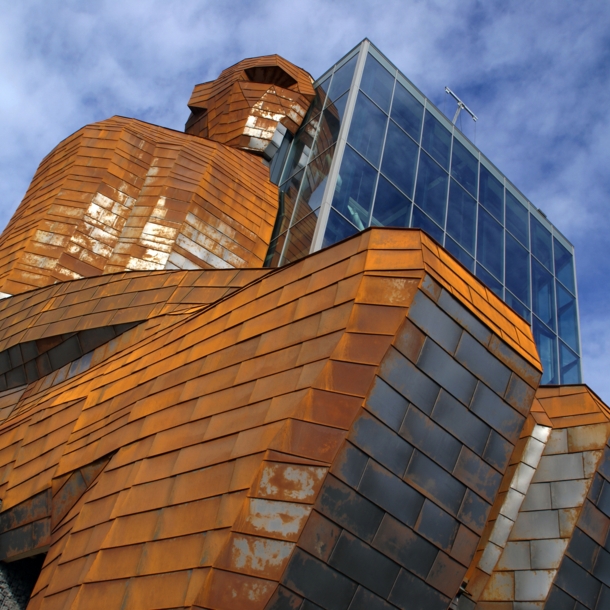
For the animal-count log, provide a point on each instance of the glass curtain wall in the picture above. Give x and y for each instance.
(406, 165)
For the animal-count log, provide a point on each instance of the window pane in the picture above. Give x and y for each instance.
(543, 294)
(355, 186)
(564, 266)
(322, 88)
(489, 243)
(318, 102)
(567, 321)
(516, 219)
(392, 208)
(314, 183)
(546, 344)
(517, 269)
(367, 129)
(299, 239)
(491, 193)
(300, 149)
(400, 159)
(541, 243)
(459, 253)
(570, 372)
(275, 250)
(461, 216)
(342, 79)
(329, 126)
(464, 167)
(407, 111)
(488, 279)
(436, 140)
(431, 191)
(513, 302)
(337, 229)
(288, 197)
(421, 221)
(377, 83)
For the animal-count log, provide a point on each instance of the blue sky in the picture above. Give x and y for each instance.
(537, 74)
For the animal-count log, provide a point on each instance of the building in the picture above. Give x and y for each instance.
(226, 384)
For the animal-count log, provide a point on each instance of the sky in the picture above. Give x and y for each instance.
(537, 75)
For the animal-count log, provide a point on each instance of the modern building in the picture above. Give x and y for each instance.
(374, 151)
(217, 393)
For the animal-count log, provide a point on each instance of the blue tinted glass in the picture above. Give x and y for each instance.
(275, 250)
(431, 191)
(489, 244)
(314, 183)
(570, 372)
(546, 344)
(512, 301)
(330, 124)
(517, 269)
(400, 159)
(436, 140)
(488, 279)
(516, 219)
(317, 104)
(288, 197)
(543, 294)
(354, 191)
(464, 167)
(367, 129)
(392, 208)
(300, 149)
(337, 229)
(421, 221)
(491, 194)
(342, 79)
(461, 216)
(407, 111)
(567, 323)
(564, 266)
(460, 254)
(299, 239)
(542, 247)
(377, 83)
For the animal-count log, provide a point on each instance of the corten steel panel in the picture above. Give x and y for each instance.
(210, 454)
(125, 195)
(243, 106)
(546, 543)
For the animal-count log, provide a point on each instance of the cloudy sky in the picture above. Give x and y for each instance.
(537, 74)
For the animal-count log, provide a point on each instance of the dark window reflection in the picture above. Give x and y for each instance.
(337, 229)
(513, 302)
(516, 219)
(317, 104)
(436, 140)
(567, 320)
(367, 129)
(461, 216)
(314, 183)
(547, 349)
(392, 208)
(543, 294)
(300, 149)
(275, 251)
(542, 247)
(355, 186)
(400, 159)
(464, 167)
(491, 194)
(288, 198)
(489, 244)
(299, 239)
(330, 125)
(377, 83)
(564, 266)
(421, 221)
(569, 365)
(342, 79)
(517, 269)
(322, 88)
(459, 253)
(407, 111)
(489, 280)
(431, 191)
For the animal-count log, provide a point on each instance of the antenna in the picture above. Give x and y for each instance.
(460, 106)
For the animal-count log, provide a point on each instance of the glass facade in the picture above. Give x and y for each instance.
(374, 151)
